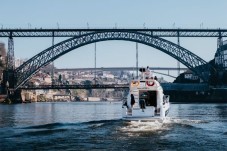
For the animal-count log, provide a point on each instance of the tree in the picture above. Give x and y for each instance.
(88, 82)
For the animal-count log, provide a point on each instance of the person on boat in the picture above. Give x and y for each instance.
(142, 104)
(124, 103)
(132, 100)
(155, 78)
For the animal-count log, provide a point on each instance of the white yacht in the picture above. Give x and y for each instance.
(145, 101)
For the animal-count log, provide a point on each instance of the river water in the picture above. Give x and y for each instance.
(98, 126)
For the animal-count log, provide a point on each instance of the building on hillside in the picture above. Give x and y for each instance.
(2, 53)
(219, 62)
(2, 59)
(108, 75)
(221, 55)
(47, 79)
(187, 77)
(19, 62)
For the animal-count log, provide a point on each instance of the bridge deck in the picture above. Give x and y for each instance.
(77, 32)
(166, 87)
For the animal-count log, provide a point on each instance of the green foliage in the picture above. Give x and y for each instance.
(87, 82)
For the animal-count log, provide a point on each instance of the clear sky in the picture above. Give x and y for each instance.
(108, 14)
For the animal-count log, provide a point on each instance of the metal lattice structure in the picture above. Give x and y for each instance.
(192, 61)
(118, 69)
(95, 86)
(78, 32)
(10, 55)
(166, 86)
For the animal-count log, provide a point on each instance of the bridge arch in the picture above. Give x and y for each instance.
(189, 59)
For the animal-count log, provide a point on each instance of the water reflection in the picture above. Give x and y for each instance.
(7, 115)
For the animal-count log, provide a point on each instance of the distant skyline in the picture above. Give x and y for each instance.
(109, 14)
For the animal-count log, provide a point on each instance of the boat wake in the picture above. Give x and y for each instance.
(167, 124)
(137, 126)
(170, 120)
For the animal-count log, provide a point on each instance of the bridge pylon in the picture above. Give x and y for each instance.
(10, 54)
(10, 64)
(8, 74)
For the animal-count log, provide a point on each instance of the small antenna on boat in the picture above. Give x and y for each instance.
(95, 63)
(137, 60)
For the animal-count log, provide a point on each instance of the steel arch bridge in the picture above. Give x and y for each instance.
(190, 60)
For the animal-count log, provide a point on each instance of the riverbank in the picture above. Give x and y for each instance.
(215, 95)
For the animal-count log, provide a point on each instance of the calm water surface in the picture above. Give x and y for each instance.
(98, 126)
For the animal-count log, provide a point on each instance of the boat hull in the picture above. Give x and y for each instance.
(146, 115)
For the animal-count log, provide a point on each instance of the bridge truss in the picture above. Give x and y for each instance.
(190, 60)
(78, 32)
(95, 86)
(81, 37)
(166, 87)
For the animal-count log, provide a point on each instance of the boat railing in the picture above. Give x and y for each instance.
(165, 99)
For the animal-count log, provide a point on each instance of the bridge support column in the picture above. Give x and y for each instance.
(8, 87)
(8, 74)
(10, 54)
(8, 80)
(178, 63)
(52, 70)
